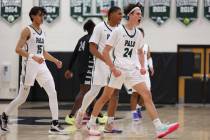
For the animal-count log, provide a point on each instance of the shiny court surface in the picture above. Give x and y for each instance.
(31, 122)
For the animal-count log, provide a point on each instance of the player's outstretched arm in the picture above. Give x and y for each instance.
(49, 57)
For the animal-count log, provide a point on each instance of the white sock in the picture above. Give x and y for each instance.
(133, 111)
(138, 106)
(157, 123)
(110, 120)
(92, 121)
(89, 97)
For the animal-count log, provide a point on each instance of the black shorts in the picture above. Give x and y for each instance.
(85, 78)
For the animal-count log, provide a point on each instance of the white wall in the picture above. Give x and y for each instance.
(64, 32)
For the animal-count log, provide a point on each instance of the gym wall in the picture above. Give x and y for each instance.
(62, 36)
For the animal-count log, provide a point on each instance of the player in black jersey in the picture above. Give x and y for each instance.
(84, 67)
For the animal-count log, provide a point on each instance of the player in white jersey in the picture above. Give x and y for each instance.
(31, 47)
(136, 102)
(101, 71)
(126, 39)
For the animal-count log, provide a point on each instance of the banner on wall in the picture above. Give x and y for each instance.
(187, 10)
(159, 10)
(52, 8)
(207, 9)
(11, 10)
(142, 2)
(82, 9)
(76, 9)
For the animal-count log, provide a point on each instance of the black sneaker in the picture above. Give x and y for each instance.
(4, 122)
(57, 129)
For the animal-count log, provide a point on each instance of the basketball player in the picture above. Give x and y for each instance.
(126, 39)
(136, 102)
(84, 67)
(101, 71)
(31, 46)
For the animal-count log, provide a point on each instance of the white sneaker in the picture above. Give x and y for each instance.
(78, 120)
(93, 131)
(57, 129)
(165, 129)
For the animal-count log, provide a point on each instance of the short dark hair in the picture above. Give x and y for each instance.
(89, 26)
(142, 30)
(128, 8)
(112, 10)
(35, 10)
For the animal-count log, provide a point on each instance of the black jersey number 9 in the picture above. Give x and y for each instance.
(128, 52)
(40, 48)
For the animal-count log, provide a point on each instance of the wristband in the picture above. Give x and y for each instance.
(30, 56)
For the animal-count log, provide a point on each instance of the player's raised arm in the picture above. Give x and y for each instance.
(25, 34)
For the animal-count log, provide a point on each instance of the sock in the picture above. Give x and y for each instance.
(100, 115)
(92, 120)
(110, 120)
(71, 115)
(138, 106)
(4, 115)
(54, 122)
(157, 123)
(133, 111)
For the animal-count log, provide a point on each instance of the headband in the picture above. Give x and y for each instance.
(135, 8)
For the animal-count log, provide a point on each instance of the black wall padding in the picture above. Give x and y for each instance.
(186, 63)
(164, 83)
(194, 91)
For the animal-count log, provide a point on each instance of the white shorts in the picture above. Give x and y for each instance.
(130, 90)
(101, 73)
(128, 77)
(32, 71)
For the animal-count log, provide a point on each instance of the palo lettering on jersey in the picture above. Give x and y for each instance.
(129, 43)
(40, 40)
